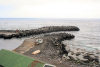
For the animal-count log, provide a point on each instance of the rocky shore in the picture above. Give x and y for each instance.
(50, 48)
(82, 55)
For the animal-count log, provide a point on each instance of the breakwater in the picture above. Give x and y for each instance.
(23, 33)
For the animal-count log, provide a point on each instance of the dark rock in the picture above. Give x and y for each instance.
(24, 33)
(7, 36)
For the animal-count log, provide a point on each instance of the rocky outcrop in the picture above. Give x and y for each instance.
(81, 54)
(24, 33)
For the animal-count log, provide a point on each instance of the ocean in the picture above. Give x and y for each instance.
(88, 37)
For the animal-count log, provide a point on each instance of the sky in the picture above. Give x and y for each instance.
(49, 8)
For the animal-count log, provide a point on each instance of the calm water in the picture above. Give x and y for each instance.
(88, 36)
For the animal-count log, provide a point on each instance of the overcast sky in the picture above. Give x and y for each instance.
(49, 8)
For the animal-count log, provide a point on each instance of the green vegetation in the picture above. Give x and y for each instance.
(12, 59)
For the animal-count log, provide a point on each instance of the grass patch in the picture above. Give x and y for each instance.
(12, 59)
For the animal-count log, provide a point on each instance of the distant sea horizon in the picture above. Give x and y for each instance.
(67, 19)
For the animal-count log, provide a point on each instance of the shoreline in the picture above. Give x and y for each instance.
(53, 49)
(54, 41)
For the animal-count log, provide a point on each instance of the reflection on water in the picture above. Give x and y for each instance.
(89, 34)
(10, 44)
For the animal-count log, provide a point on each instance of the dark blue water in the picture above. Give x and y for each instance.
(88, 36)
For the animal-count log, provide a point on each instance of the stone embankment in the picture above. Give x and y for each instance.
(8, 34)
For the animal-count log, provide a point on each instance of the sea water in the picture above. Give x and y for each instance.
(88, 36)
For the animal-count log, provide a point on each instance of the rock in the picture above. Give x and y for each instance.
(71, 55)
(81, 57)
(65, 57)
(1, 35)
(36, 52)
(7, 36)
(80, 53)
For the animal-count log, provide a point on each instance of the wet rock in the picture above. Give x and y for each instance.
(7, 36)
(82, 54)
(1, 35)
